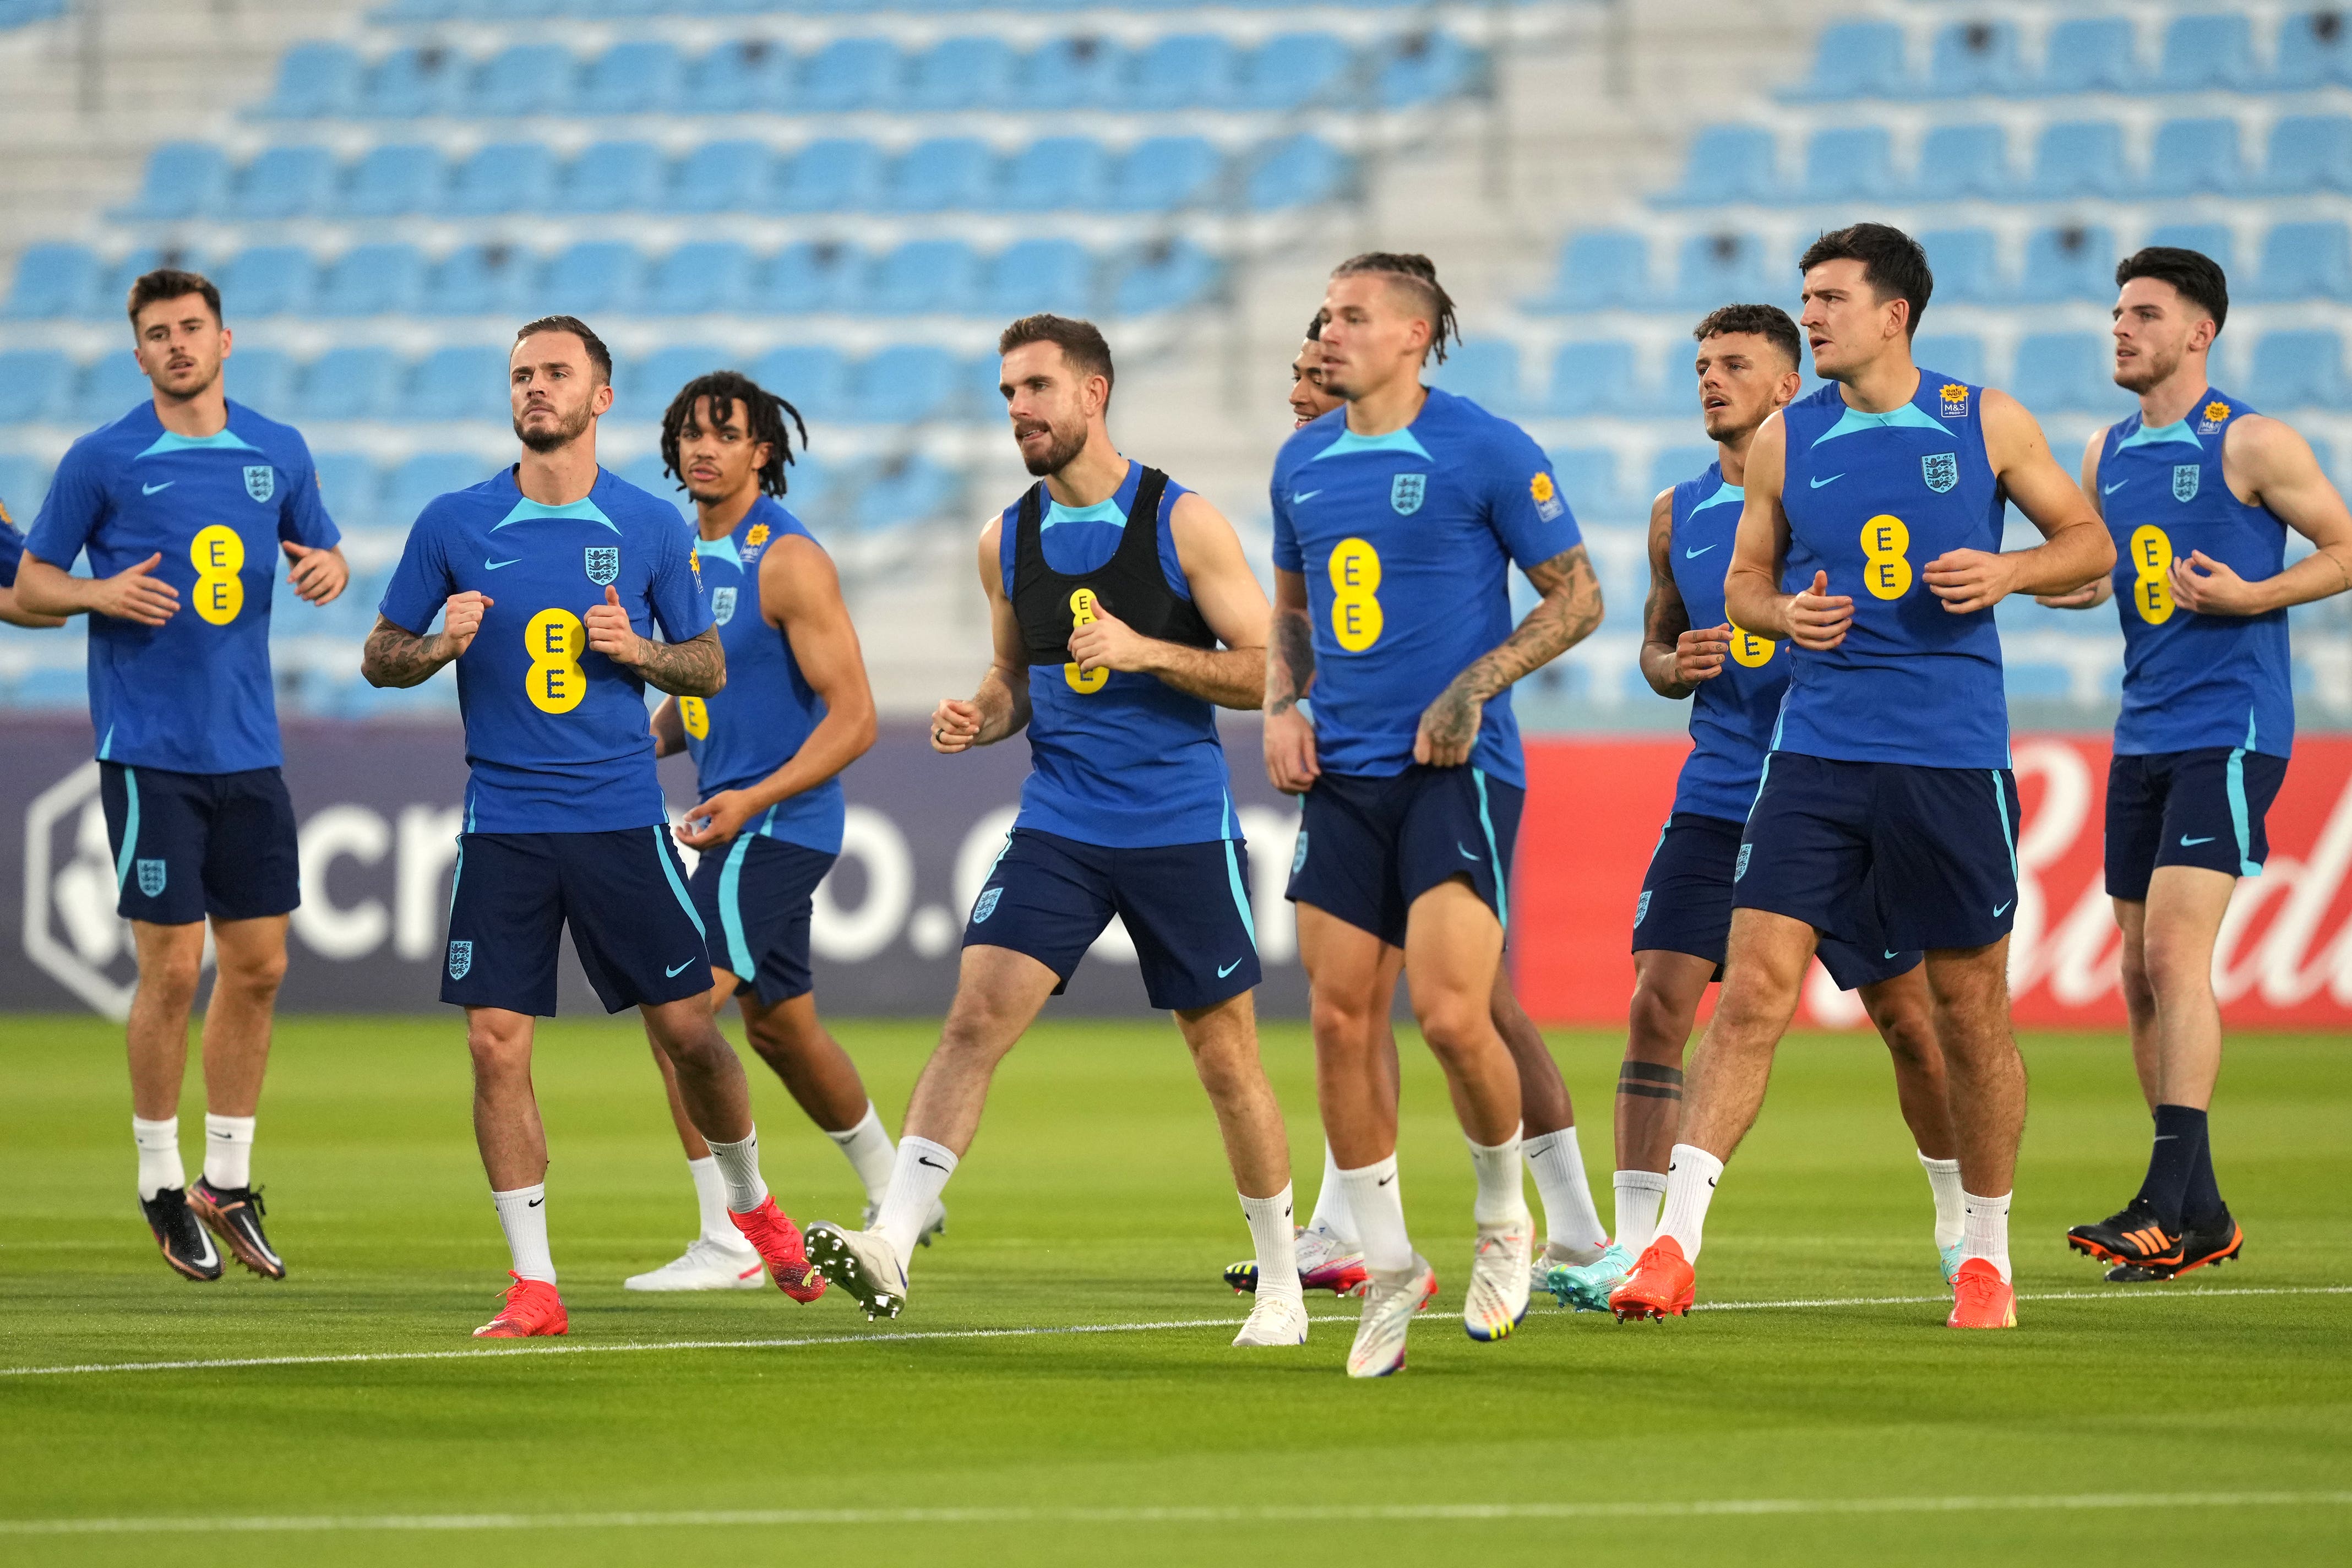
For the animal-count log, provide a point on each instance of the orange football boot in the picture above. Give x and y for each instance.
(532, 1310)
(777, 1240)
(1981, 1299)
(1661, 1283)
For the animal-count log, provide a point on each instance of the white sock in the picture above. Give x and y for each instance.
(1379, 1213)
(1558, 1166)
(1985, 1230)
(159, 1155)
(228, 1151)
(869, 1152)
(1277, 1248)
(1639, 1195)
(1943, 1181)
(1331, 1214)
(522, 1215)
(710, 1197)
(917, 1176)
(1691, 1175)
(739, 1167)
(1502, 1190)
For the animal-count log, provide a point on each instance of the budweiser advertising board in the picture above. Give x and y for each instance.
(1595, 808)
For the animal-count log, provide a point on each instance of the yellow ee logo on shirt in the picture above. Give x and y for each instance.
(695, 715)
(1752, 651)
(218, 555)
(1082, 613)
(2151, 561)
(555, 639)
(1356, 618)
(1886, 564)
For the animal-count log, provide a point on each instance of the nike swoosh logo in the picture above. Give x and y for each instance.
(2110, 490)
(1299, 497)
(1831, 480)
(1890, 955)
(927, 1160)
(674, 974)
(494, 566)
(2001, 909)
(1384, 1181)
(1229, 968)
(151, 489)
(2192, 843)
(1466, 854)
(2163, 1137)
(534, 1202)
(1695, 554)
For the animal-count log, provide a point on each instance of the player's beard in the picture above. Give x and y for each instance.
(1066, 446)
(2149, 368)
(566, 431)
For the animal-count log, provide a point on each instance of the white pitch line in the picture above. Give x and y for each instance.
(908, 1336)
(182, 1524)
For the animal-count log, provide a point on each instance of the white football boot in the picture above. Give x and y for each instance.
(861, 1263)
(1497, 1296)
(1554, 1254)
(1390, 1298)
(939, 1225)
(706, 1264)
(1278, 1318)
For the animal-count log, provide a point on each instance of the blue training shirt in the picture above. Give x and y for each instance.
(192, 695)
(767, 709)
(1137, 764)
(556, 735)
(2192, 680)
(1407, 540)
(1872, 498)
(1733, 714)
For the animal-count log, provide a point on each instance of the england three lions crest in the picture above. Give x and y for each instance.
(722, 604)
(2185, 478)
(604, 564)
(1406, 492)
(1941, 471)
(260, 481)
(461, 960)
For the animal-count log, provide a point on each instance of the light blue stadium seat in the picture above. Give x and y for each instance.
(267, 280)
(808, 487)
(1162, 174)
(2027, 681)
(1082, 71)
(2315, 48)
(1966, 262)
(2309, 152)
(804, 277)
(650, 383)
(1599, 270)
(503, 177)
(1165, 275)
(2191, 156)
(720, 176)
(1970, 59)
(944, 174)
(1483, 370)
(1588, 478)
(1960, 356)
(646, 473)
(902, 386)
(2213, 240)
(1422, 68)
(349, 382)
(2062, 371)
(2090, 54)
(638, 78)
(419, 480)
(590, 277)
(523, 80)
(1590, 378)
(1857, 59)
(35, 385)
(698, 277)
(477, 280)
(1295, 171)
(1957, 161)
(1671, 466)
(1714, 268)
(984, 387)
(283, 182)
(348, 485)
(962, 73)
(412, 84)
(835, 175)
(184, 179)
(2204, 52)
(850, 74)
(2304, 261)
(53, 279)
(23, 485)
(371, 280)
(263, 380)
(1033, 275)
(111, 386)
(610, 177)
(316, 81)
(465, 382)
(812, 377)
(1729, 163)
(1675, 392)
(907, 489)
(2299, 370)
(391, 181)
(2068, 262)
(1293, 69)
(738, 78)
(2079, 158)
(114, 288)
(1057, 173)
(924, 277)
(1182, 70)
(1849, 164)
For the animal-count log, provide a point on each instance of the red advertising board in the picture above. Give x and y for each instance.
(1594, 809)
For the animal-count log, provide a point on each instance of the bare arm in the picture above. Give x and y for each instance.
(2074, 547)
(1290, 762)
(1564, 616)
(2277, 468)
(695, 668)
(1674, 657)
(1000, 708)
(2098, 590)
(395, 655)
(130, 594)
(1228, 597)
(15, 614)
(670, 729)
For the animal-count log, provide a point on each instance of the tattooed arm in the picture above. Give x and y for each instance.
(1289, 671)
(1569, 609)
(695, 668)
(395, 655)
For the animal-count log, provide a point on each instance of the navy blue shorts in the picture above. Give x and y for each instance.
(1930, 852)
(755, 897)
(1186, 905)
(1368, 846)
(191, 844)
(2204, 807)
(1685, 906)
(623, 893)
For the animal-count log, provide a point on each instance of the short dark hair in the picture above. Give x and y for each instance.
(598, 354)
(764, 415)
(172, 283)
(1081, 343)
(1764, 321)
(1315, 327)
(2197, 275)
(1892, 263)
(1419, 274)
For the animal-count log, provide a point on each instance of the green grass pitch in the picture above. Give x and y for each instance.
(1097, 1196)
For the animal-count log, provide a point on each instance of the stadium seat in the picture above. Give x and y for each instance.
(1483, 370)
(523, 80)
(1599, 270)
(720, 176)
(53, 279)
(112, 387)
(739, 78)
(590, 277)
(1033, 275)
(1057, 174)
(646, 473)
(1164, 275)
(907, 489)
(1674, 394)
(834, 175)
(412, 84)
(802, 278)
(421, 479)
(316, 81)
(391, 181)
(1293, 71)
(267, 280)
(1591, 378)
(610, 177)
(1295, 172)
(945, 173)
(503, 177)
(984, 387)
(2297, 370)
(1966, 264)
(1081, 72)
(469, 383)
(962, 73)
(1960, 356)
(1673, 465)
(477, 280)
(2304, 261)
(902, 386)
(261, 379)
(650, 383)
(924, 277)
(699, 277)
(1729, 163)
(2089, 54)
(808, 486)
(35, 385)
(184, 179)
(1971, 58)
(1857, 59)
(2213, 240)
(640, 78)
(2068, 262)
(371, 280)
(1162, 174)
(1183, 70)
(812, 377)
(114, 286)
(2206, 52)
(2062, 371)
(1588, 478)
(347, 484)
(1422, 68)
(1713, 268)
(2193, 156)
(1960, 161)
(282, 183)
(2315, 48)
(351, 383)
(2079, 158)
(849, 74)
(1849, 164)
(2309, 152)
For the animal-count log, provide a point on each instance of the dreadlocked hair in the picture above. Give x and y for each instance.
(765, 418)
(1418, 275)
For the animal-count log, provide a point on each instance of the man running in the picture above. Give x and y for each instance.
(1887, 791)
(2198, 492)
(1110, 588)
(183, 505)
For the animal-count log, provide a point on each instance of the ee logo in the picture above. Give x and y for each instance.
(555, 639)
(218, 555)
(1356, 618)
(1082, 613)
(2151, 559)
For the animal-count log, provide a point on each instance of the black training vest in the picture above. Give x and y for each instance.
(1131, 584)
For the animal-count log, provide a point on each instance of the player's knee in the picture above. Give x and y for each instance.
(1341, 1021)
(2177, 971)
(1454, 1028)
(170, 976)
(497, 1046)
(254, 975)
(1908, 1028)
(1657, 1027)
